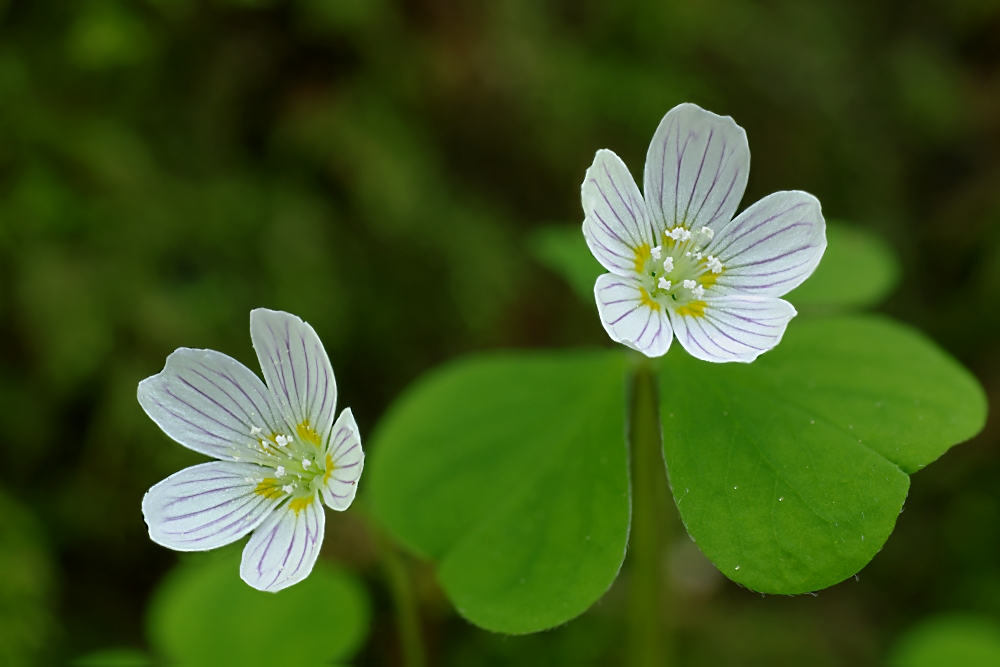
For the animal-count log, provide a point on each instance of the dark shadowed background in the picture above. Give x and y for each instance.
(377, 167)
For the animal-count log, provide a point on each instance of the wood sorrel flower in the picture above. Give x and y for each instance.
(278, 446)
(680, 264)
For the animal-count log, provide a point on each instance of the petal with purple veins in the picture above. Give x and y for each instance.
(283, 550)
(732, 328)
(772, 246)
(207, 505)
(630, 317)
(297, 371)
(616, 225)
(345, 460)
(696, 169)
(210, 403)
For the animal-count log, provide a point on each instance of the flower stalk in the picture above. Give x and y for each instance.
(649, 638)
(404, 600)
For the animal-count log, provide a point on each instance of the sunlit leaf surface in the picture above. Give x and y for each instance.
(790, 472)
(511, 472)
(858, 269)
(204, 614)
(949, 641)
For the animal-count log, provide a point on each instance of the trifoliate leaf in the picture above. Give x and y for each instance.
(790, 472)
(510, 471)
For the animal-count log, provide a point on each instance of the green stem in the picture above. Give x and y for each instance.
(406, 607)
(648, 636)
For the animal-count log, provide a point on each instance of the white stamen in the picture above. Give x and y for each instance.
(698, 256)
(707, 232)
(254, 430)
(288, 488)
(281, 440)
(714, 265)
(655, 252)
(689, 284)
(280, 471)
(664, 283)
(288, 439)
(306, 463)
(668, 264)
(687, 254)
(679, 234)
(698, 292)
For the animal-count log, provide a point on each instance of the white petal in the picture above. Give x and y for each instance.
(733, 328)
(696, 169)
(629, 320)
(206, 506)
(616, 222)
(347, 459)
(771, 247)
(296, 368)
(283, 550)
(209, 402)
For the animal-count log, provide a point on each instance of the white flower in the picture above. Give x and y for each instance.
(278, 447)
(716, 288)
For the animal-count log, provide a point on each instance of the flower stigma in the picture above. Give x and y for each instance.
(294, 470)
(677, 273)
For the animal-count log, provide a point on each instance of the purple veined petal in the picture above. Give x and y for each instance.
(297, 370)
(616, 223)
(344, 462)
(207, 505)
(696, 169)
(732, 328)
(210, 403)
(630, 317)
(771, 247)
(283, 549)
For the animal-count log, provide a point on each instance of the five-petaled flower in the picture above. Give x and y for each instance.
(680, 264)
(278, 448)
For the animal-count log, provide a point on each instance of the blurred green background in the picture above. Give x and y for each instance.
(377, 167)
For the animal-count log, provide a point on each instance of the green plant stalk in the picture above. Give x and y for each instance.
(405, 603)
(649, 644)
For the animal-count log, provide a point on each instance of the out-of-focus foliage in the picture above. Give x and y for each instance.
(375, 166)
(204, 614)
(946, 641)
(857, 270)
(27, 579)
(114, 657)
(564, 250)
(511, 471)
